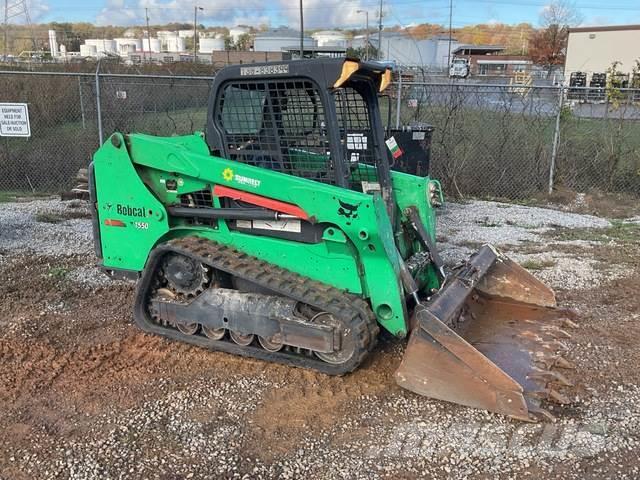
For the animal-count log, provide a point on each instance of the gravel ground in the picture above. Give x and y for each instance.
(59, 235)
(85, 395)
(513, 228)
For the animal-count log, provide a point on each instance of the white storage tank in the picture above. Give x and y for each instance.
(126, 48)
(208, 45)
(53, 43)
(88, 50)
(102, 45)
(151, 45)
(330, 38)
(175, 44)
(127, 44)
(236, 32)
(276, 40)
(164, 34)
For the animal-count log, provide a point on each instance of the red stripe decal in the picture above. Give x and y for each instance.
(109, 222)
(270, 203)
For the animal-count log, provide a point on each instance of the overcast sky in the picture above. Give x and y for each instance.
(323, 13)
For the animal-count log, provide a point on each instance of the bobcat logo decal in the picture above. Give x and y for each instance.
(350, 212)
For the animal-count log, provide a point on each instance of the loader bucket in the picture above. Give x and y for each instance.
(491, 338)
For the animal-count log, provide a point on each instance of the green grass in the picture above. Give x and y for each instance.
(46, 217)
(507, 153)
(58, 272)
(537, 264)
(471, 245)
(619, 231)
(526, 226)
(486, 222)
(16, 195)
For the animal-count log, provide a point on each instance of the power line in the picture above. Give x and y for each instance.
(373, 5)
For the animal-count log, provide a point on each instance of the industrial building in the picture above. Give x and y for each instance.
(489, 60)
(330, 38)
(234, 57)
(280, 39)
(591, 50)
(210, 44)
(402, 49)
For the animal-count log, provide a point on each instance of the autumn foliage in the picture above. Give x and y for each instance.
(514, 38)
(548, 46)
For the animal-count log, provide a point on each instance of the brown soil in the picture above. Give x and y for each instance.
(603, 204)
(62, 367)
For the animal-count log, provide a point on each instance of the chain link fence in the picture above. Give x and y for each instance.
(505, 141)
(68, 122)
(516, 141)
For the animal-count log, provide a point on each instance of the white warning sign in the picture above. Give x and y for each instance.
(14, 120)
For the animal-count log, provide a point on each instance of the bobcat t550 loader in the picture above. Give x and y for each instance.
(282, 233)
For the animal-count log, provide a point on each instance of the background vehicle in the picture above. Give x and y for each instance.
(459, 68)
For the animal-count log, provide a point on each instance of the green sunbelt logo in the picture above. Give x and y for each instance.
(130, 211)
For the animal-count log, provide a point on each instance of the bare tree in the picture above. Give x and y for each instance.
(560, 12)
(549, 44)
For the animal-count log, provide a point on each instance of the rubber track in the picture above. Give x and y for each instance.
(352, 310)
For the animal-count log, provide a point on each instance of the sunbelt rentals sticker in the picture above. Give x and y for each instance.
(229, 176)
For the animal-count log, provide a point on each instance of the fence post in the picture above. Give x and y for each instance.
(98, 108)
(84, 126)
(556, 139)
(399, 99)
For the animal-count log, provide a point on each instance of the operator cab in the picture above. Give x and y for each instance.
(317, 119)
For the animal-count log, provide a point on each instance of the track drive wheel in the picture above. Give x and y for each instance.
(348, 345)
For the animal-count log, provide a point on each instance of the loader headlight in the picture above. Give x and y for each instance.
(434, 194)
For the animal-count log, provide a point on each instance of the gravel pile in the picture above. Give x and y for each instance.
(462, 227)
(92, 277)
(196, 432)
(146, 441)
(567, 271)
(45, 227)
(504, 223)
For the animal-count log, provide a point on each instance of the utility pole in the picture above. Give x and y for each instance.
(195, 32)
(301, 32)
(380, 31)
(14, 9)
(146, 14)
(366, 34)
(450, 33)
(5, 29)
(144, 54)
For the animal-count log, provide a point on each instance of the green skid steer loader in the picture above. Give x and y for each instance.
(282, 233)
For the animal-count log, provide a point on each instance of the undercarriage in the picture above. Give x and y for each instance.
(206, 294)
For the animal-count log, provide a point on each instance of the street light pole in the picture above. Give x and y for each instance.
(146, 14)
(380, 31)
(366, 34)
(195, 32)
(450, 21)
(301, 32)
